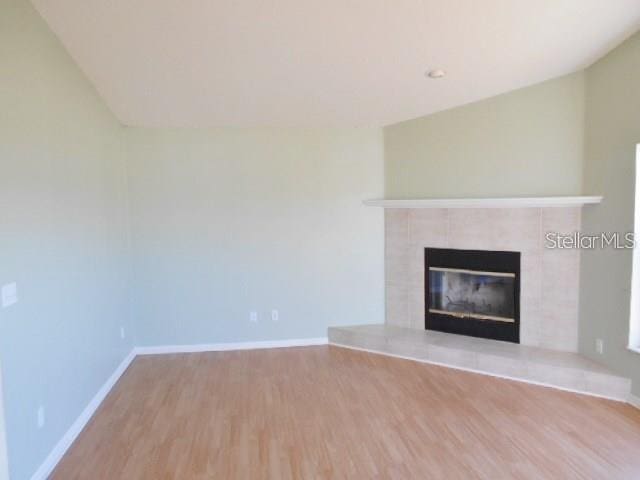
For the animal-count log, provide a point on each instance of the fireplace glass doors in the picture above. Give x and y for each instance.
(473, 292)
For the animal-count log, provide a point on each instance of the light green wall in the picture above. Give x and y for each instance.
(612, 132)
(228, 221)
(526, 142)
(62, 237)
(4, 456)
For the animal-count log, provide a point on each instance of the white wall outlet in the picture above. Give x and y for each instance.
(41, 418)
(275, 316)
(599, 346)
(253, 317)
(9, 294)
(122, 333)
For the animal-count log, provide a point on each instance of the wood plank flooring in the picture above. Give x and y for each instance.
(329, 412)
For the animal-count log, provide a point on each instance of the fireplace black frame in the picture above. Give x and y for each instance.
(481, 260)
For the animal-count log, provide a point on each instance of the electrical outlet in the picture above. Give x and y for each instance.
(122, 333)
(41, 418)
(9, 294)
(253, 317)
(275, 316)
(599, 346)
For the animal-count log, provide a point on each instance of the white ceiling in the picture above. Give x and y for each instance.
(206, 63)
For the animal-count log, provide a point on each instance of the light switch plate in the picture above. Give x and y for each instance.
(9, 294)
(41, 417)
(599, 346)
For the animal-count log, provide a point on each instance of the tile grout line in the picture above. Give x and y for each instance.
(407, 269)
(540, 274)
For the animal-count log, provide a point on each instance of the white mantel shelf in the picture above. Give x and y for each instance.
(502, 202)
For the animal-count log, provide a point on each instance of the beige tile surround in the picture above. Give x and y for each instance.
(552, 275)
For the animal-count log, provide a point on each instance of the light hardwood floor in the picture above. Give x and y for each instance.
(329, 412)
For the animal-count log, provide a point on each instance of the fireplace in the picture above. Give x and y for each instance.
(473, 292)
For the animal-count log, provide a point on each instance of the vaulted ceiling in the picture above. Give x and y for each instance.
(206, 63)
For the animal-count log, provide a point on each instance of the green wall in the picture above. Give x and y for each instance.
(612, 132)
(229, 221)
(63, 237)
(526, 142)
(226, 221)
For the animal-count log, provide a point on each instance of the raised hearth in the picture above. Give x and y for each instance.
(565, 370)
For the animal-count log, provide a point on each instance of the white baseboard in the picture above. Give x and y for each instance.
(67, 439)
(633, 400)
(481, 372)
(222, 347)
(65, 442)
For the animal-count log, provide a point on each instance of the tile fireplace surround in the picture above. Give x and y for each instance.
(549, 278)
(549, 283)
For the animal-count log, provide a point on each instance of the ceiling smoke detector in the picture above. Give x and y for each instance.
(436, 73)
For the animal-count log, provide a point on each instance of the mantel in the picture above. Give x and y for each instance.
(501, 202)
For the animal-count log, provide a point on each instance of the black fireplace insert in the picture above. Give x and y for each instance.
(473, 292)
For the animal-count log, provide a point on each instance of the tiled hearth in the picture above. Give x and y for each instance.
(566, 370)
